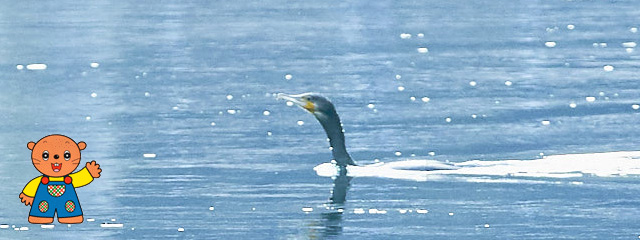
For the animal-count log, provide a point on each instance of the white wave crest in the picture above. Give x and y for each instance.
(609, 164)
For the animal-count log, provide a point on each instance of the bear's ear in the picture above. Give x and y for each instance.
(30, 145)
(82, 145)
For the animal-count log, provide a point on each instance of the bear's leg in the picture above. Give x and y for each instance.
(40, 220)
(71, 220)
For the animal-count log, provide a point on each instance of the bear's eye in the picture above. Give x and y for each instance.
(45, 155)
(67, 155)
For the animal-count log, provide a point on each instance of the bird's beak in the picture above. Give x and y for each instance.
(298, 100)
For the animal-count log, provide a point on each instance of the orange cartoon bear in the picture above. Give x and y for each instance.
(56, 157)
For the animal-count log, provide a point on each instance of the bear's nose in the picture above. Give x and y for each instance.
(56, 156)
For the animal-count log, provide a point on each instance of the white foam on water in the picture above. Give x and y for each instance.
(4, 226)
(91, 219)
(288, 76)
(590, 99)
(111, 225)
(266, 113)
(19, 66)
(633, 29)
(229, 97)
(571, 27)
(423, 50)
(545, 122)
(398, 76)
(231, 111)
(358, 211)
(37, 66)
(550, 44)
(635, 106)
(400, 88)
(473, 83)
(508, 83)
(608, 164)
(629, 44)
(47, 226)
(420, 35)
(422, 211)
(149, 155)
(94, 65)
(371, 105)
(307, 209)
(180, 229)
(608, 68)
(426, 99)
(405, 35)
(300, 122)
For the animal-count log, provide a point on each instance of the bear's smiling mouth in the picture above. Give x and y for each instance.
(56, 167)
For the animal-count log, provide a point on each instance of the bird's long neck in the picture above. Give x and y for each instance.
(333, 127)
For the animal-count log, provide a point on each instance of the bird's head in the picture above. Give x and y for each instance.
(312, 102)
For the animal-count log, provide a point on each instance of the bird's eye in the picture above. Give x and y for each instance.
(67, 155)
(45, 155)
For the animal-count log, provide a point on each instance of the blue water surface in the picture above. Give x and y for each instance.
(194, 81)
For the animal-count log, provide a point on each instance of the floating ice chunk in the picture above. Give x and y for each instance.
(231, 111)
(371, 105)
(400, 88)
(19, 67)
(550, 44)
(573, 105)
(373, 211)
(425, 99)
(398, 76)
(211, 208)
(289, 103)
(545, 122)
(432, 153)
(180, 229)
(175, 108)
(88, 118)
(307, 209)
(94, 95)
(474, 116)
(608, 68)
(629, 44)
(402, 211)
(382, 212)
(633, 29)
(422, 211)
(146, 94)
(358, 211)
(628, 50)
(213, 123)
(37, 66)
(91, 219)
(604, 44)
(21, 229)
(288, 76)
(47, 226)
(398, 153)
(405, 35)
(229, 97)
(571, 27)
(423, 50)
(300, 122)
(4, 226)
(420, 35)
(487, 225)
(590, 99)
(266, 113)
(473, 83)
(412, 98)
(269, 133)
(601, 94)
(635, 106)
(95, 65)
(450, 214)
(149, 155)
(508, 83)
(447, 119)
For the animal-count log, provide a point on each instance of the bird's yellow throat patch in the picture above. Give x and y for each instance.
(309, 106)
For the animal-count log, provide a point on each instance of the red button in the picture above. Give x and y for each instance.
(67, 180)
(44, 180)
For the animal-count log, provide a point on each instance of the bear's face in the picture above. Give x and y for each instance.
(56, 155)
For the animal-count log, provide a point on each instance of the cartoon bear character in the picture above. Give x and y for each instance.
(56, 157)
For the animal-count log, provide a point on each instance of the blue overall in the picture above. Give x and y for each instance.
(52, 197)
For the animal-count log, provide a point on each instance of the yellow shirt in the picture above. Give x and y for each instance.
(80, 178)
